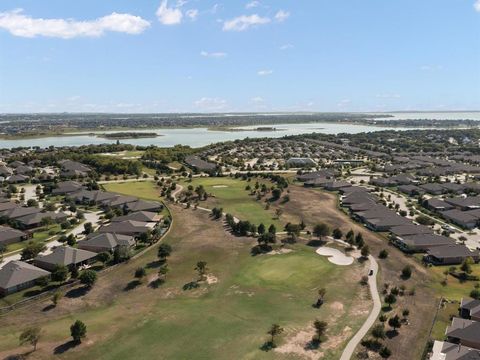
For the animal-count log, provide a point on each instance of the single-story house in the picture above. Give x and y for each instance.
(129, 227)
(444, 350)
(106, 242)
(410, 229)
(336, 185)
(461, 218)
(143, 205)
(199, 164)
(438, 205)
(67, 187)
(18, 275)
(464, 332)
(10, 236)
(411, 190)
(35, 220)
(422, 242)
(64, 255)
(470, 309)
(18, 179)
(465, 203)
(450, 254)
(144, 216)
(433, 188)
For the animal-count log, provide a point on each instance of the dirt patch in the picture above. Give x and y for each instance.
(298, 345)
(211, 279)
(336, 306)
(279, 251)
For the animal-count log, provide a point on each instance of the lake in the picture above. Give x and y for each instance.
(194, 137)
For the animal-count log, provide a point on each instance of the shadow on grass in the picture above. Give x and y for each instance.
(190, 285)
(132, 285)
(313, 344)
(18, 356)
(48, 308)
(260, 249)
(268, 345)
(391, 333)
(60, 349)
(155, 264)
(77, 292)
(155, 284)
(316, 243)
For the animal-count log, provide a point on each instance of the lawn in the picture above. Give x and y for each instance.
(230, 194)
(454, 289)
(226, 318)
(142, 189)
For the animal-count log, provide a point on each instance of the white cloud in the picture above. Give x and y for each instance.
(264, 72)
(286, 47)
(252, 4)
(22, 25)
(213, 54)
(244, 22)
(211, 104)
(192, 14)
(476, 5)
(282, 15)
(169, 16)
(257, 99)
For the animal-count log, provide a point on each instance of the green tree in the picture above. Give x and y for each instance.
(274, 331)
(105, 257)
(164, 251)
(78, 331)
(406, 272)
(201, 269)
(60, 273)
(163, 271)
(466, 266)
(261, 229)
(337, 233)
(320, 329)
(88, 278)
(30, 336)
(390, 299)
(140, 273)
(365, 251)
(378, 331)
(395, 322)
(32, 249)
(320, 230)
(383, 254)
(56, 297)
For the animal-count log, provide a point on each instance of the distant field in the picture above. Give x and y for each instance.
(230, 194)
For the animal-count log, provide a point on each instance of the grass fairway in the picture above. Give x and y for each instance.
(226, 318)
(143, 189)
(230, 194)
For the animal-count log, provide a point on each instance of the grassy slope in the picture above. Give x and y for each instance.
(236, 200)
(229, 317)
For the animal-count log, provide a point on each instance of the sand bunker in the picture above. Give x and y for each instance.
(220, 186)
(335, 256)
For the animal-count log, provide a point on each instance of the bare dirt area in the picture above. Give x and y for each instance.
(314, 206)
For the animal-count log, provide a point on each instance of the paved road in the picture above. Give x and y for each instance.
(377, 305)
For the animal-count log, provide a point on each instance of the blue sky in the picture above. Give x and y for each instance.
(213, 56)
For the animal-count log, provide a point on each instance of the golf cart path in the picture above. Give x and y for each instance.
(377, 304)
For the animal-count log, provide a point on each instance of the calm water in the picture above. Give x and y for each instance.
(194, 137)
(201, 136)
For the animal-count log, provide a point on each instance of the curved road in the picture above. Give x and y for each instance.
(377, 305)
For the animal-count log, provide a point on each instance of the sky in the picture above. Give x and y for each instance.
(131, 56)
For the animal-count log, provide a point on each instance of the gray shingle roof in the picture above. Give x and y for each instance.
(66, 255)
(18, 272)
